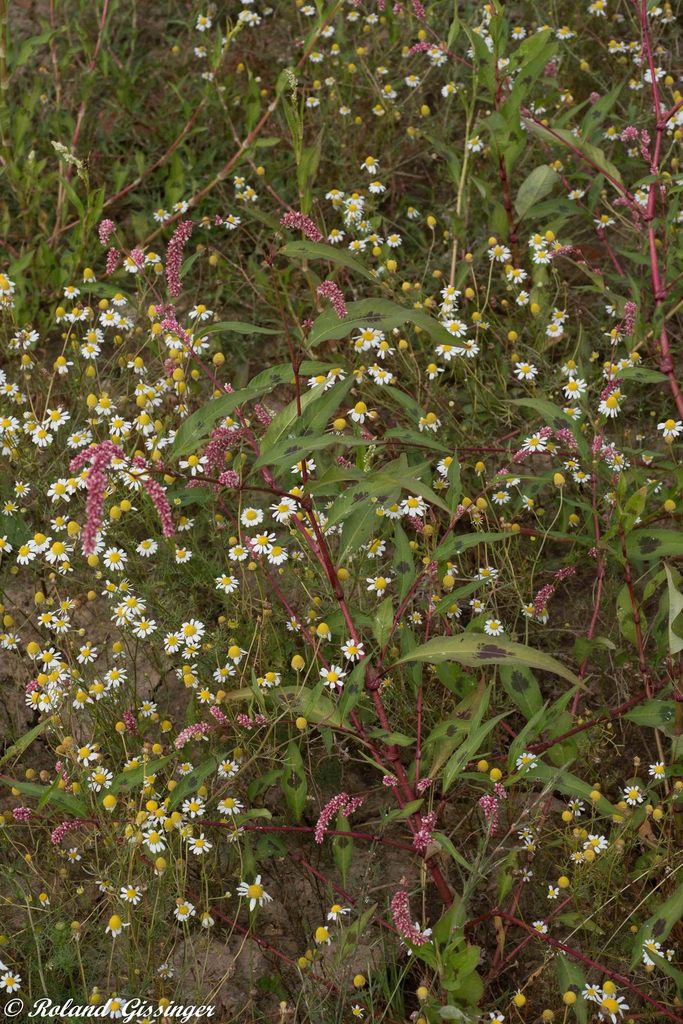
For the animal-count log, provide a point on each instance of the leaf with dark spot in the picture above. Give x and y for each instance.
(472, 649)
(491, 651)
(518, 682)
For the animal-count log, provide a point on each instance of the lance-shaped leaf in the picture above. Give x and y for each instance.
(293, 781)
(477, 650)
(592, 155)
(675, 609)
(189, 784)
(235, 327)
(381, 314)
(650, 544)
(320, 251)
(49, 795)
(535, 187)
(199, 425)
(660, 923)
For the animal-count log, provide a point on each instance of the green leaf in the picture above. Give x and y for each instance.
(398, 739)
(424, 491)
(455, 488)
(382, 314)
(342, 849)
(189, 784)
(320, 251)
(30, 45)
(325, 402)
(294, 449)
(16, 529)
(655, 714)
(25, 740)
(448, 929)
(651, 544)
(477, 650)
(660, 923)
(401, 813)
(403, 563)
(377, 486)
(571, 978)
(643, 375)
(592, 155)
(551, 413)
(521, 687)
(446, 844)
(455, 545)
(312, 702)
(468, 750)
(570, 785)
(535, 187)
(384, 617)
(357, 529)
(535, 724)
(293, 781)
(351, 936)
(235, 327)
(196, 427)
(135, 776)
(49, 795)
(675, 609)
(411, 437)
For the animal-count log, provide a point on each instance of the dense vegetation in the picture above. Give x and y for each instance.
(340, 547)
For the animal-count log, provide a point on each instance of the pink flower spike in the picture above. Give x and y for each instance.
(300, 222)
(105, 230)
(343, 804)
(174, 256)
(400, 911)
(332, 291)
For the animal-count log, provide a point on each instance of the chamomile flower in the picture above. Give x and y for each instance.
(230, 806)
(184, 910)
(227, 583)
(611, 1006)
(494, 627)
(131, 894)
(115, 926)
(199, 845)
(670, 429)
(254, 892)
(526, 762)
(353, 651)
(337, 912)
(525, 371)
(333, 676)
(595, 842)
(251, 516)
(378, 584)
